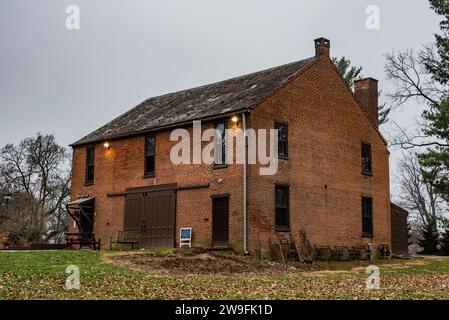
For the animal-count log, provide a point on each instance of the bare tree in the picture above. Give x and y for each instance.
(37, 173)
(409, 72)
(417, 194)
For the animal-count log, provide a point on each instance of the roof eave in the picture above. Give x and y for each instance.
(80, 143)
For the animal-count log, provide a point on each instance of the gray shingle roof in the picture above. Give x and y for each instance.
(208, 101)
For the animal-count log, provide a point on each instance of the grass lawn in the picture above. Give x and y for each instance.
(41, 275)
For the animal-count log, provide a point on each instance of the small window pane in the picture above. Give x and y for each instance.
(282, 219)
(367, 216)
(90, 155)
(90, 173)
(281, 197)
(90, 164)
(150, 152)
(150, 146)
(366, 158)
(282, 139)
(220, 143)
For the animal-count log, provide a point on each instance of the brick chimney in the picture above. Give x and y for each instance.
(366, 90)
(322, 47)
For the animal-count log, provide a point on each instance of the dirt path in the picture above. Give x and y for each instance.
(178, 263)
(184, 262)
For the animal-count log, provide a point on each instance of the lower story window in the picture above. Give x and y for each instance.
(282, 218)
(367, 216)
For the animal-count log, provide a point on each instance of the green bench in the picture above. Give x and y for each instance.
(131, 238)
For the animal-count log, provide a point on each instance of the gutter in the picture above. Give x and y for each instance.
(245, 181)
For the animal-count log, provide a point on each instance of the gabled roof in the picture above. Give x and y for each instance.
(398, 208)
(209, 101)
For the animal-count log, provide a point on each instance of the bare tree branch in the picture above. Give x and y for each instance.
(38, 172)
(417, 194)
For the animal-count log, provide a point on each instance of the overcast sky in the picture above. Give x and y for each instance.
(70, 82)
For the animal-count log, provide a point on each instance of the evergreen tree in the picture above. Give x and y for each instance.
(429, 238)
(436, 159)
(439, 67)
(445, 241)
(348, 72)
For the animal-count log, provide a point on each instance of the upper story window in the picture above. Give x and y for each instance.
(90, 164)
(367, 216)
(282, 139)
(282, 218)
(220, 144)
(150, 155)
(366, 159)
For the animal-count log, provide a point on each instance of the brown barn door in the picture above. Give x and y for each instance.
(152, 213)
(133, 211)
(220, 222)
(159, 219)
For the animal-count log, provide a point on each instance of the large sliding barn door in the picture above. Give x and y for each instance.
(153, 214)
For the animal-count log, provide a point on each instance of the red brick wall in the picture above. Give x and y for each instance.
(122, 167)
(326, 129)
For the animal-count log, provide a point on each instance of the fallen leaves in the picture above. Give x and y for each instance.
(29, 275)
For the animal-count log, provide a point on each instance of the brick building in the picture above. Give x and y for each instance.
(332, 181)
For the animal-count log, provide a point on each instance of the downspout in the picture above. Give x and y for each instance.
(245, 195)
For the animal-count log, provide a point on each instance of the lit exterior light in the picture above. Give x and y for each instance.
(107, 145)
(235, 119)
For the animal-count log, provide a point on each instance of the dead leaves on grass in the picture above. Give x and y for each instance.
(104, 281)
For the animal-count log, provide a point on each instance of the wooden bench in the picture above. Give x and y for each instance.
(126, 237)
(340, 253)
(322, 253)
(83, 240)
(358, 253)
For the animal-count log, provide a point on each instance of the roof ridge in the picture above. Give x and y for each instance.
(229, 79)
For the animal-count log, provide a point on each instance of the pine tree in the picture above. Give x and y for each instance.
(429, 238)
(444, 242)
(348, 72)
(436, 159)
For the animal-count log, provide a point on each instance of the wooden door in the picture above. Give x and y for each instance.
(220, 222)
(153, 214)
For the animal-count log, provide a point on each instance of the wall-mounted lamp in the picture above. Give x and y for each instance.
(235, 119)
(107, 145)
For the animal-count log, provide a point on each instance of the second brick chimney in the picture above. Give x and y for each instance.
(322, 47)
(366, 90)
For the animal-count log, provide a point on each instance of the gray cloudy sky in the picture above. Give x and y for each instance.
(69, 83)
